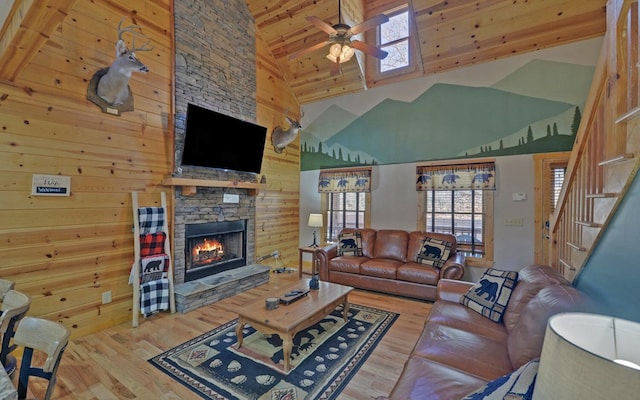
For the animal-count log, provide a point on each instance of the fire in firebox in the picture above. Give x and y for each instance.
(208, 251)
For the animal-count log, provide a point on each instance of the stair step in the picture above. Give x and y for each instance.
(576, 246)
(567, 265)
(589, 224)
(616, 159)
(602, 195)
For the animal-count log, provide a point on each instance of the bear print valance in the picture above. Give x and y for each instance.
(345, 180)
(480, 176)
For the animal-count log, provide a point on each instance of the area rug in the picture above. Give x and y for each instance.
(324, 358)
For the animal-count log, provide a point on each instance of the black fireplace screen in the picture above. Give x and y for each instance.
(214, 247)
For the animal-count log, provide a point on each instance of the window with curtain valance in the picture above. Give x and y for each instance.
(479, 176)
(345, 180)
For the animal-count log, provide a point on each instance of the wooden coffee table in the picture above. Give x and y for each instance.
(287, 320)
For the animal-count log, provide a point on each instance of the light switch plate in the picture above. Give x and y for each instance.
(519, 196)
(230, 198)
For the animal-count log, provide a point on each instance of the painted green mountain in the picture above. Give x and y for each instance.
(333, 120)
(551, 80)
(442, 122)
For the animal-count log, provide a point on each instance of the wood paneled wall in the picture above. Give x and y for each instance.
(277, 208)
(65, 252)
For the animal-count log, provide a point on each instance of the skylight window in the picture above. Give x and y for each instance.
(393, 38)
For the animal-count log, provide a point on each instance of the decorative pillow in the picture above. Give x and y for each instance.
(350, 244)
(434, 252)
(152, 244)
(517, 385)
(490, 296)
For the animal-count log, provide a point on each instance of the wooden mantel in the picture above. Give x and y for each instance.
(189, 186)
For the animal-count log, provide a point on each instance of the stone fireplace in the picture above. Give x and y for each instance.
(215, 68)
(214, 247)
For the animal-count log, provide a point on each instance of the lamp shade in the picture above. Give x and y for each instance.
(584, 356)
(315, 220)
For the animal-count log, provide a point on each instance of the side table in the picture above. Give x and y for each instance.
(314, 262)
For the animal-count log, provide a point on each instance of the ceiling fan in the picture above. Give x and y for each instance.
(342, 47)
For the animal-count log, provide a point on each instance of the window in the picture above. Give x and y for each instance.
(345, 210)
(459, 212)
(393, 37)
(346, 199)
(557, 179)
(458, 199)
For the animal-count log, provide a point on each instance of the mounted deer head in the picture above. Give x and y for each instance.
(113, 85)
(280, 138)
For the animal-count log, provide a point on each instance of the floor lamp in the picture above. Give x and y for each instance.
(315, 221)
(589, 356)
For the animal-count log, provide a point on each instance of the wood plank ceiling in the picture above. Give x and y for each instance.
(449, 34)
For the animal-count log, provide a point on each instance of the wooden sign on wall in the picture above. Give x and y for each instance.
(50, 185)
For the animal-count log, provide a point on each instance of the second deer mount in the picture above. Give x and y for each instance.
(280, 138)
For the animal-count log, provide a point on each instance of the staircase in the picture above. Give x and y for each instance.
(606, 153)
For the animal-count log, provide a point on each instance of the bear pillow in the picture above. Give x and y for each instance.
(491, 294)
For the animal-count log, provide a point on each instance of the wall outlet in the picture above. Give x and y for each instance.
(106, 297)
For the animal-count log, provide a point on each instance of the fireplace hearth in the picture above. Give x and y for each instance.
(214, 247)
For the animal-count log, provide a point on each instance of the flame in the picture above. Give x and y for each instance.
(209, 246)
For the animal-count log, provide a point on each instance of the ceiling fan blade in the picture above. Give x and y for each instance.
(336, 69)
(368, 49)
(370, 23)
(308, 50)
(320, 24)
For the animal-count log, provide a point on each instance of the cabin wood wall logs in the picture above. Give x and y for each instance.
(66, 251)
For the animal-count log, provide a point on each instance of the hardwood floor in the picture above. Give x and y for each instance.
(112, 364)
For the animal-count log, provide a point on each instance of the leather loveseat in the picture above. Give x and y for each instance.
(390, 261)
(460, 350)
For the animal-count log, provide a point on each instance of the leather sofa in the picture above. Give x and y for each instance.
(388, 263)
(460, 350)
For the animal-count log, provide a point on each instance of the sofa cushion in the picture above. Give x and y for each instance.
(434, 252)
(425, 379)
(368, 237)
(391, 244)
(350, 244)
(418, 273)
(467, 351)
(531, 279)
(517, 385)
(349, 264)
(490, 296)
(525, 340)
(380, 267)
(459, 316)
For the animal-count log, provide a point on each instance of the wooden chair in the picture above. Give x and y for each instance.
(46, 336)
(5, 286)
(14, 307)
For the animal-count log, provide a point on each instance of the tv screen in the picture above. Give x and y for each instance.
(216, 140)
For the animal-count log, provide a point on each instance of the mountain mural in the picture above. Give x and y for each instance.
(427, 128)
(551, 80)
(539, 102)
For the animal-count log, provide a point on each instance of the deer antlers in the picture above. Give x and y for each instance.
(132, 29)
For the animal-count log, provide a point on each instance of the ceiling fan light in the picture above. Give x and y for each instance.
(347, 53)
(334, 52)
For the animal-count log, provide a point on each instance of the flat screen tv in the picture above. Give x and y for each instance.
(215, 140)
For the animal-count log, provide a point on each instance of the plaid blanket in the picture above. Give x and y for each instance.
(150, 219)
(152, 244)
(154, 267)
(154, 296)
